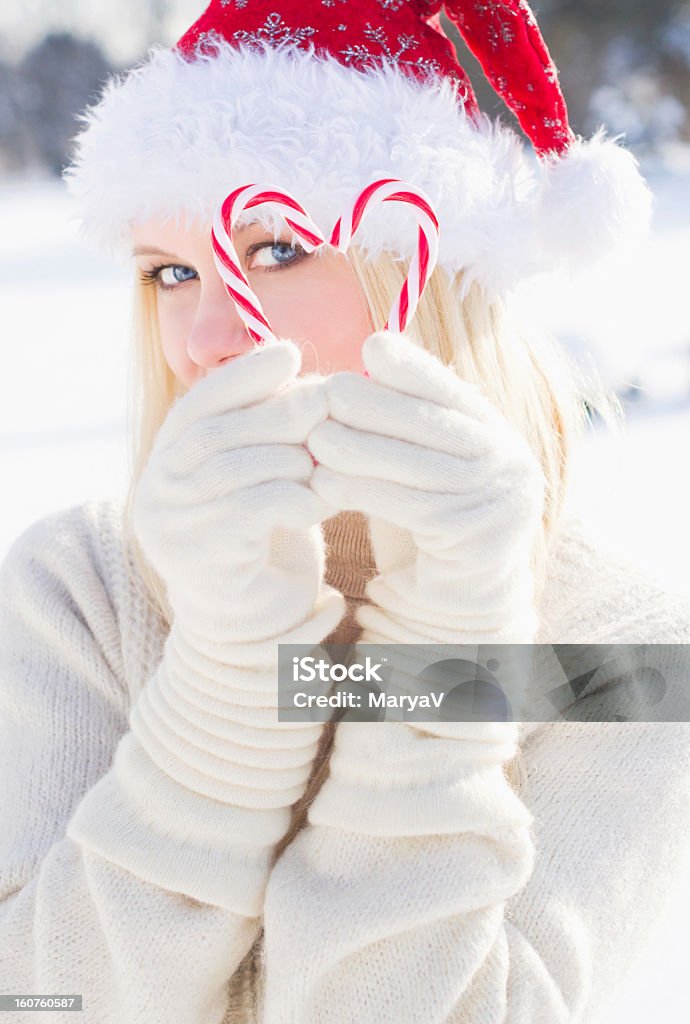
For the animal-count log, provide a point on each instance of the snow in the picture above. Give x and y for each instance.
(630, 320)
(63, 390)
(63, 400)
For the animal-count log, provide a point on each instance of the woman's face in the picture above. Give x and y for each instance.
(315, 300)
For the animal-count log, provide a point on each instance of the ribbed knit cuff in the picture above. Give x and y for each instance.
(201, 786)
(399, 779)
(214, 728)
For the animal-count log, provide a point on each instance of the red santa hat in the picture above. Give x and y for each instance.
(323, 98)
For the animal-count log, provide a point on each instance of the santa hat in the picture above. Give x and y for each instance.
(323, 98)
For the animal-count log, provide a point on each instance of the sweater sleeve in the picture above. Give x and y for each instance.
(426, 888)
(392, 900)
(136, 835)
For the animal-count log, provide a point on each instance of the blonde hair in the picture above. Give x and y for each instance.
(531, 379)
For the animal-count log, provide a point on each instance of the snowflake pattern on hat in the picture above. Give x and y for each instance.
(505, 38)
(360, 54)
(392, 5)
(502, 34)
(274, 30)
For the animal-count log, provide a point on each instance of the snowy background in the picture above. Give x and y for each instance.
(65, 313)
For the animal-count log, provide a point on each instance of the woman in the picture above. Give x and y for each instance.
(171, 850)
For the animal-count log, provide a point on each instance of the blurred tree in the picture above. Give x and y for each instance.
(9, 159)
(55, 80)
(637, 16)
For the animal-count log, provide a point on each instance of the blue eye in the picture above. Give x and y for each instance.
(282, 252)
(170, 276)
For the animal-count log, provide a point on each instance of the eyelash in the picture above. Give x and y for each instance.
(152, 276)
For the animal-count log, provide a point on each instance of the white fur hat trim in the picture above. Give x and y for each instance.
(172, 138)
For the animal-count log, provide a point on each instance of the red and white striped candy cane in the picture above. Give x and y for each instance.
(389, 190)
(226, 258)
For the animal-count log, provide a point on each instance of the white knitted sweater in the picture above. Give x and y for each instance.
(407, 927)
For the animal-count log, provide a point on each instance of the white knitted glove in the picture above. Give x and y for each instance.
(454, 499)
(453, 493)
(224, 511)
(225, 514)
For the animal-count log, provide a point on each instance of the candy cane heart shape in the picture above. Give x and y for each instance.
(227, 261)
(393, 190)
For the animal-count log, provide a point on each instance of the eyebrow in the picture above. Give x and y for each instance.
(152, 250)
(149, 250)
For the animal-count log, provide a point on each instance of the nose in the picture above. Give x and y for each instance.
(218, 332)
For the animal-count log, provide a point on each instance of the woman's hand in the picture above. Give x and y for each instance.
(453, 493)
(224, 511)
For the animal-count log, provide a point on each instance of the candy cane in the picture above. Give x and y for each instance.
(388, 190)
(226, 258)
